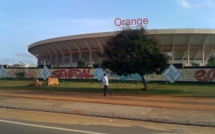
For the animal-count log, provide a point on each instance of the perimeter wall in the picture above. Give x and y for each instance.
(172, 74)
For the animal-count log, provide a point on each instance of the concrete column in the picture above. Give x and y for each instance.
(91, 53)
(203, 56)
(203, 49)
(173, 50)
(80, 54)
(188, 49)
(50, 59)
(173, 54)
(62, 59)
(188, 55)
(56, 59)
(70, 52)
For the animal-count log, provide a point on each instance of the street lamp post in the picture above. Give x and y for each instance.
(93, 62)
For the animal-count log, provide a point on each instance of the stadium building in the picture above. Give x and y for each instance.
(184, 46)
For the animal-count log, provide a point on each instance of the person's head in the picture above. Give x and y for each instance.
(104, 74)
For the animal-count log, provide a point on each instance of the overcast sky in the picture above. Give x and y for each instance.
(23, 22)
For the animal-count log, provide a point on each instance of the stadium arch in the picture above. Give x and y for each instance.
(184, 46)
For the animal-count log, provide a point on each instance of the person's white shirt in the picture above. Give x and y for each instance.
(105, 80)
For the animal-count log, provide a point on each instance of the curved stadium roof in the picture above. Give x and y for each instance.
(183, 45)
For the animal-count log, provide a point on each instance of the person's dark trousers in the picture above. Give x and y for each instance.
(107, 90)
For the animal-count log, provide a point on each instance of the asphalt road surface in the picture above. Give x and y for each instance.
(14, 121)
(20, 127)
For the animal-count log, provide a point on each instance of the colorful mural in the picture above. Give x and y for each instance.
(172, 74)
(73, 73)
(205, 75)
(2, 72)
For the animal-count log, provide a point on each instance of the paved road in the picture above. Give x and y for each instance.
(13, 121)
(17, 127)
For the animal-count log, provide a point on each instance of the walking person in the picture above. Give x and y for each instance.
(106, 83)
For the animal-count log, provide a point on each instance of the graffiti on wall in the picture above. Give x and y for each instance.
(29, 73)
(172, 74)
(45, 73)
(99, 73)
(74, 73)
(2, 72)
(205, 75)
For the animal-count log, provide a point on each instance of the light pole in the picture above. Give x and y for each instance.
(93, 62)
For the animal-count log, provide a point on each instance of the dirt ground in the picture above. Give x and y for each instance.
(189, 103)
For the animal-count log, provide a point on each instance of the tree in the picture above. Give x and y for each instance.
(195, 64)
(133, 51)
(20, 75)
(81, 63)
(211, 60)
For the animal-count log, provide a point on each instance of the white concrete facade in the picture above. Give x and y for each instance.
(183, 45)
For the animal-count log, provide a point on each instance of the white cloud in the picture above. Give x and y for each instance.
(25, 55)
(184, 4)
(26, 58)
(196, 4)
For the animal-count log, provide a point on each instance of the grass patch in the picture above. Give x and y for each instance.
(132, 88)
